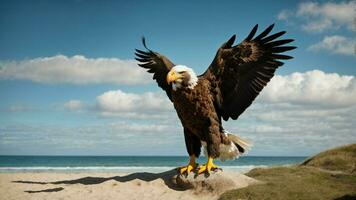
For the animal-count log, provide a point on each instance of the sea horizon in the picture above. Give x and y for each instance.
(126, 164)
(88, 155)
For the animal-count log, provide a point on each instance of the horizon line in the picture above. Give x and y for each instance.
(157, 155)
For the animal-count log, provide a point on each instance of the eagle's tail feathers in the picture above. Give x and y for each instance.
(236, 148)
(242, 145)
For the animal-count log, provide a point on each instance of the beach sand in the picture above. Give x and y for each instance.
(89, 186)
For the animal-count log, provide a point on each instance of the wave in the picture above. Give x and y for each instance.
(241, 168)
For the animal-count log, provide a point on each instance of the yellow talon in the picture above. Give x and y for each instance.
(192, 165)
(187, 169)
(209, 166)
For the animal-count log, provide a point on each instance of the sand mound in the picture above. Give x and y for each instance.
(213, 184)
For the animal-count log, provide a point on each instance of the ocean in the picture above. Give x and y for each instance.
(126, 164)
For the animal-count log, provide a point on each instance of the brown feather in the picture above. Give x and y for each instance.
(243, 70)
(157, 64)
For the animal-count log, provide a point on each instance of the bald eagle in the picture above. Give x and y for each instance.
(225, 90)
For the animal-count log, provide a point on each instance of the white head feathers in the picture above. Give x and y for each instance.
(193, 81)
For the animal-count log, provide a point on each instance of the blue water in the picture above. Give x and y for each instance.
(128, 163)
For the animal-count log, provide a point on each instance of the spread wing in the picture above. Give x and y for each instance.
(157, 64)
(240, 72)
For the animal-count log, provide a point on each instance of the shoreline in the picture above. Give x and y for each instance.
(118, 169)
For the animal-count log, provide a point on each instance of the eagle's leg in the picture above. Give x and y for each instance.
(191, 165)
(193, 145)
(209, 166)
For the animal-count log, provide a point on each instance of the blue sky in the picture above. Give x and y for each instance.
(69, 85)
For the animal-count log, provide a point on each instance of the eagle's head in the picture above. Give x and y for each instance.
(182, 77)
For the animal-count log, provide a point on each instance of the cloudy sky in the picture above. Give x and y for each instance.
(69, 84)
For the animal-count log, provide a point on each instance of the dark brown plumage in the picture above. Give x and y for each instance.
(242, 71)
(157, 64)
(229, 86)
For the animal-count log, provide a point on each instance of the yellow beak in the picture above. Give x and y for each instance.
(172, 76)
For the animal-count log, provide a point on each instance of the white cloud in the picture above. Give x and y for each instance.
(122, 138)
(335, 44)
(139, 128)
(319, 17)
(20, 108)
(285, 15)
(133, 104)
(312, 87)
(74, 105)
(317, 26)
(325, 17)
(75, 70)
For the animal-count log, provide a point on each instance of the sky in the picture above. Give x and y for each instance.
(69, 84)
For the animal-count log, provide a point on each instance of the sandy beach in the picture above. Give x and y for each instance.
(102, 186)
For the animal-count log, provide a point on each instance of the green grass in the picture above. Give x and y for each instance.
(308, 181)
(339, 159)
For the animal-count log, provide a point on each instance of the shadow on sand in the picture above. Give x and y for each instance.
(166, 176)
(46, 190)
(347, 197)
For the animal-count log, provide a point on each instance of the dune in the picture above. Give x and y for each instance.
(341, 159)
(140, 186)
(329, 175)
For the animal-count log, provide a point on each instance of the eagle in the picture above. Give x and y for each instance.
(224, 91)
